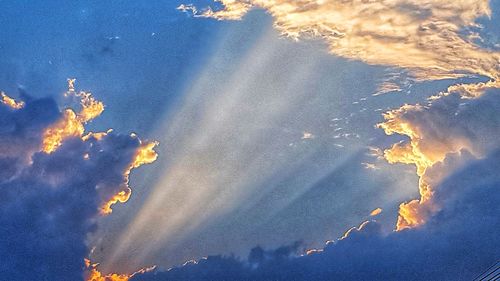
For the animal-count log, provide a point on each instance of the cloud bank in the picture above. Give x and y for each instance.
(465, 118)
(434, 39)
(56, 179)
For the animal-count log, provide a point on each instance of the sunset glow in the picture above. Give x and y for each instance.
(250, 140)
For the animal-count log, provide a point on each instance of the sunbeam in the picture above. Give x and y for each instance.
(217, 140)
(222, 156)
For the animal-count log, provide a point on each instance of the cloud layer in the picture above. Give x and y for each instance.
(434, 39)
(51, 194)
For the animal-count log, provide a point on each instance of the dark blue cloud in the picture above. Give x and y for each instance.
(458, 243)
(49, 202)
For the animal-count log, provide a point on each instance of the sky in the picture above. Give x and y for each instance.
(249, 140)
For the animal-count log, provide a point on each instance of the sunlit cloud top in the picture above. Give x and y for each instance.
(434, 39)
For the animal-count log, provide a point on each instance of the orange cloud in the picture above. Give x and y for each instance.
(71, 124)
(10, 102)
(121, 196)
(68, 126)
(93, 274)
(145, 154)
(425, 37)
(375, 212)
(354, 229)
(431, 138)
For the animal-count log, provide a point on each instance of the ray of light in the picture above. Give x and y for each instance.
(229, 143)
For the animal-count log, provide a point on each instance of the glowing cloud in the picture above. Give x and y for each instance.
(145, 154)
(121, 196)
(426, 37)
(450, 123)
(58, 188)
(72, 124)
(375, 212)
(93, 273)
(10, 102)
(68, 126)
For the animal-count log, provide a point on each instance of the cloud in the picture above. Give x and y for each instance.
(50, 198)
(93, 273)
(10, 102)
(72, 124)
(433, 39)
(462, 120)
(376, 212)
(457, 243)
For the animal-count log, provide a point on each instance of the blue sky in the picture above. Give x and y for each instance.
(263, 140)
